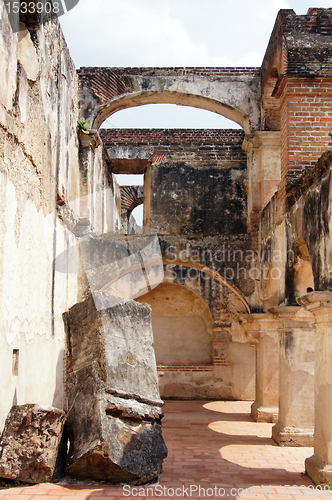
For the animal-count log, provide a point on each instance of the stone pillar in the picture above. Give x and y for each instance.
(319, 465)
(262, 329)
(264, 171)
(295, 426)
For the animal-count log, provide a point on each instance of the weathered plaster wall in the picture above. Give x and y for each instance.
(182, 325)
(195, 198)
(208, 358)
(300, 242)
(39, 162)
(197, 178)
(203, 200)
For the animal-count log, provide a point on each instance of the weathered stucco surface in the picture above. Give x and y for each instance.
(38, 111)
(39, 161)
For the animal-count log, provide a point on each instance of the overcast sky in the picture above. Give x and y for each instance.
(120, 33)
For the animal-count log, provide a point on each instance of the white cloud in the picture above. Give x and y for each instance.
(155, 33)
(174, 32)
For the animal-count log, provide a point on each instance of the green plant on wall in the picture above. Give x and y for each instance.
(82, 126)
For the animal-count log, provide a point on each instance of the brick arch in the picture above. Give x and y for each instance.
(131, 197)
(232, 92)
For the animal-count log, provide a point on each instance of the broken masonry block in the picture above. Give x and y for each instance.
(114, 407)
(112, 438)
(30, 443)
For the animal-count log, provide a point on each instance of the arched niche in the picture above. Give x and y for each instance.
(182, 325)
(300, 277)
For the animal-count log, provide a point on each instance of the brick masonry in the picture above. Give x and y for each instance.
(297, 89)
(306, 120)
(200, 147)
(174, 136)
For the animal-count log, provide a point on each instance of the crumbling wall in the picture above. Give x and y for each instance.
(195, 200)
(39, 164)
(299, 243)
(199, 356)
(196, 179)
(232, 92)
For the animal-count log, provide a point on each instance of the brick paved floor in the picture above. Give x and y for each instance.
(215, 451)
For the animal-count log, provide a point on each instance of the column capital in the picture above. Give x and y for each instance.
(256, 324)
(261, 138)
(292, 316)
(318, 303)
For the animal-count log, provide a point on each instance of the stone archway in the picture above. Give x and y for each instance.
(232, 92)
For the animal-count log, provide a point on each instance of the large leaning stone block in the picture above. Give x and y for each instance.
(120, 340)
(114, 407)
(30, 442)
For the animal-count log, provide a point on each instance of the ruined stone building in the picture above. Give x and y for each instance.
(234, 257)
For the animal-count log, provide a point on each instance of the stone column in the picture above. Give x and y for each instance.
(319, 465)
(264, 172)
(295, 426)
(262, 329)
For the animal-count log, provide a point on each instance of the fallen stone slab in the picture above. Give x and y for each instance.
(112, 438)
(114, 407)
(30, 443)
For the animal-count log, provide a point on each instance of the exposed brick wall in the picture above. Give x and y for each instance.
(216, 147)
(306, 120)
(172, 136)
(300, 44)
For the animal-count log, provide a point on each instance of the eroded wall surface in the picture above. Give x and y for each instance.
(39, 165)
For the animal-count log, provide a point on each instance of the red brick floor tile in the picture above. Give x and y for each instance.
(45, 495)
(15, 496)
(211, 445)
